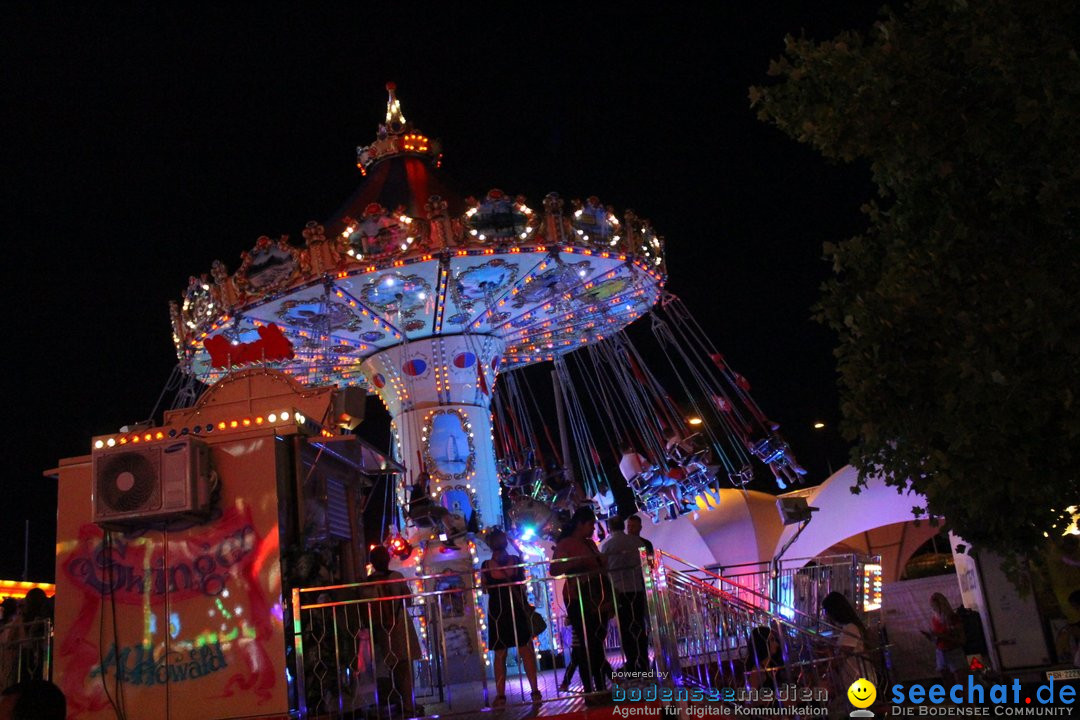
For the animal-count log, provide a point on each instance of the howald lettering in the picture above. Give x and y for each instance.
(112, 570)
(136, 664)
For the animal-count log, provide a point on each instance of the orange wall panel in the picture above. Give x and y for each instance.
(185, 624)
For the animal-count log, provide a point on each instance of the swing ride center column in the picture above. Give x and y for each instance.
(438, 393)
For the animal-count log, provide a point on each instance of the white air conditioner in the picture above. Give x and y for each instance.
(157, 481)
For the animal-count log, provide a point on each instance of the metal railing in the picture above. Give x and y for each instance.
(419, 646)
(25, 651)
(733, 638)
(404, 645)
(801, 583)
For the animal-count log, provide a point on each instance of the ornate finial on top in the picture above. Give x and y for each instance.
(395, 119)
(396, 137)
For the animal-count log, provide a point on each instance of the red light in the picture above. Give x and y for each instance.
(247, 422)
(135, 439)
(221, 425)
(159, 435)
(234, 424)
(259, 420)
(123, 441)
(148, 437)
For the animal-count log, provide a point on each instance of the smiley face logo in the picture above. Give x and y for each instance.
(862, 693)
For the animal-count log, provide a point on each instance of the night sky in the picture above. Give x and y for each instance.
(140, 146)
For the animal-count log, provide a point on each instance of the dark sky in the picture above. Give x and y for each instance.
(139, 146)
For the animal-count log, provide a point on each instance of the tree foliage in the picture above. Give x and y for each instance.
(958, 309)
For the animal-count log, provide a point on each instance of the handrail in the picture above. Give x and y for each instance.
(415, 578)
(749, 591)
(821, 560)
(775, 617)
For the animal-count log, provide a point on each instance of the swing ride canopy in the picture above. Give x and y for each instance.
(406, 260)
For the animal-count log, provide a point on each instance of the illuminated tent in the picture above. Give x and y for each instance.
(746, 527)
(877, 521)
(742, 529)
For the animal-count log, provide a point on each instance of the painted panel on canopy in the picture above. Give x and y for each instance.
(403, 296)
(475, 281)
(589, 323)
(548, 279)
(305, 316)
(593, 320)
(590, 295)
(311, 311)
(302, 316)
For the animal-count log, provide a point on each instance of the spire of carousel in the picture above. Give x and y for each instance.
(395, 119)
(396, 138)
(401, 169)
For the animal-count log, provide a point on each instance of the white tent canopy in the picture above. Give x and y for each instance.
(746, 527)
(743, 529)
(842, 514)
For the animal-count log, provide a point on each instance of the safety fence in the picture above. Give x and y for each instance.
(802, 583)
(25, 651)
(457, 643)
(728, 636)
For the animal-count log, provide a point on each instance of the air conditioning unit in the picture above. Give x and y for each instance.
(153, 482)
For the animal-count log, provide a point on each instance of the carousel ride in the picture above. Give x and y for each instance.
(425, 299)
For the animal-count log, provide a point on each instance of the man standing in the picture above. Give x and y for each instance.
(633, 527)
(624, 567)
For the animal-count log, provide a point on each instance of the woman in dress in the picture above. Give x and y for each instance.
(508, 614)
(588, 597)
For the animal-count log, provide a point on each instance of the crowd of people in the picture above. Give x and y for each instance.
(600, 584)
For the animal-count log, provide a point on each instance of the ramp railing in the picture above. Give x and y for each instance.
(419, 646)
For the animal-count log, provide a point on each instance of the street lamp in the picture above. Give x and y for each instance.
(824, 445)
